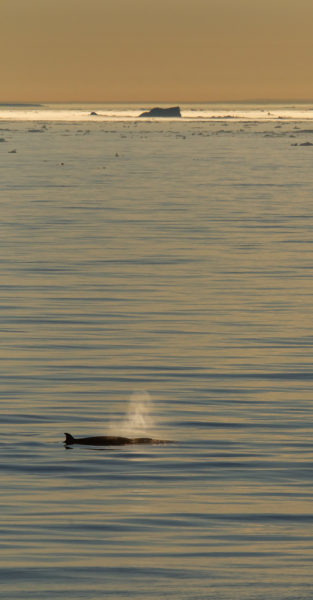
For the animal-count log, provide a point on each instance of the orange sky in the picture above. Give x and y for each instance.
(149, 50)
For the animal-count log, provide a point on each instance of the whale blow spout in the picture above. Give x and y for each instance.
(109, 440)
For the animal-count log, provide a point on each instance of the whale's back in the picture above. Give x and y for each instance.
(110, 440)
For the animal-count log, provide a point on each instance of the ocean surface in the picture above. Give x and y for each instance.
(156, 279)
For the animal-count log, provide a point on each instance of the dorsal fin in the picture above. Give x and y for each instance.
(69, 438)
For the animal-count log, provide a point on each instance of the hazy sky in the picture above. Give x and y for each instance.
(155, 50)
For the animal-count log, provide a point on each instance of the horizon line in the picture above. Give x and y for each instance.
(172, 102)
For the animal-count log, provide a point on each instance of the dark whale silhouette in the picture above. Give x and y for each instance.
(110, 440)
(172, 111)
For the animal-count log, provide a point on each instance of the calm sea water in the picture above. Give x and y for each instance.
(156, 278)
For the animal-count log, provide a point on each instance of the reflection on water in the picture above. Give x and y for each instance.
(156, 278)
(117, 113)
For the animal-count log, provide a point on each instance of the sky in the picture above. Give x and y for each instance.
(156, 50)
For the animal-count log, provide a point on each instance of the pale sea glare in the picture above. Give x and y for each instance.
(156, 277)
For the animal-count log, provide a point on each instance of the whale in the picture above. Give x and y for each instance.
(172, 111)
(110, 440)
